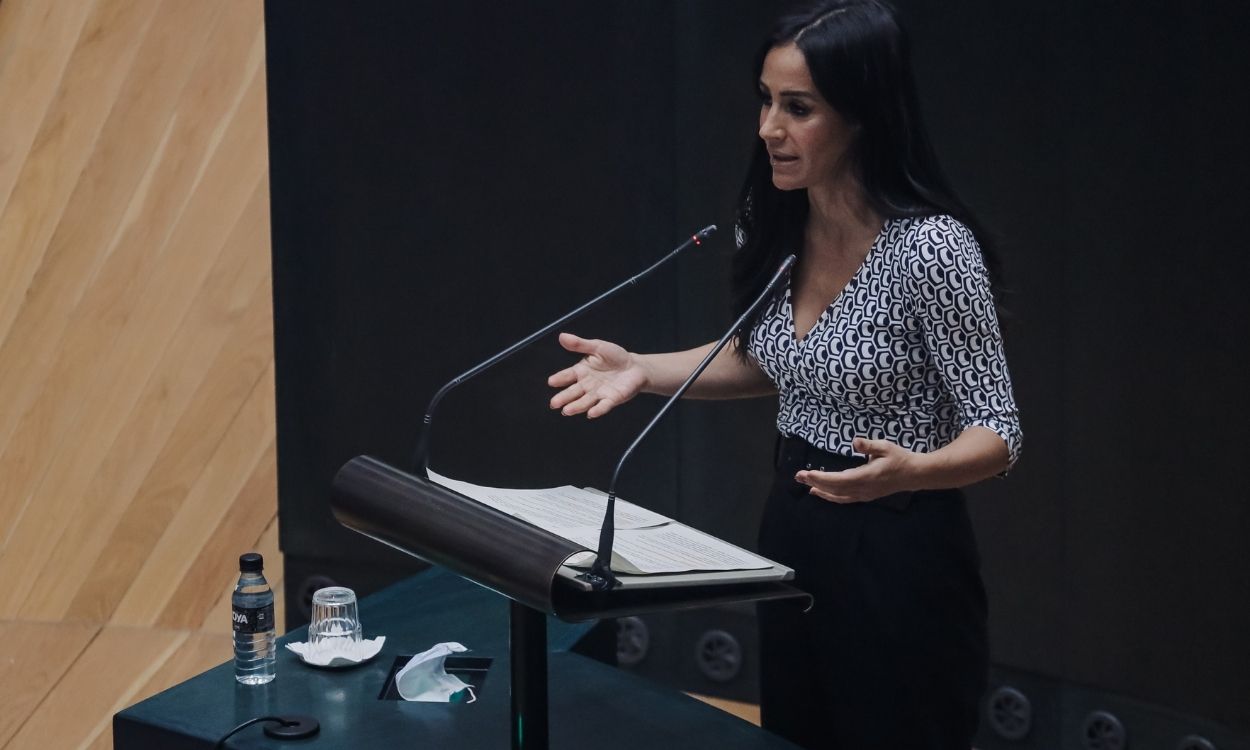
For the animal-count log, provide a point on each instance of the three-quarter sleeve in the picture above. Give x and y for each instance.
(949, 294)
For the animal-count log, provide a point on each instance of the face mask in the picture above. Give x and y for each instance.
(424, 679)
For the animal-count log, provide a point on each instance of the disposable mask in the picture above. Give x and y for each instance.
(424, 679)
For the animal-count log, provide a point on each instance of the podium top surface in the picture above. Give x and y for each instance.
(592, 705)
(506, 554)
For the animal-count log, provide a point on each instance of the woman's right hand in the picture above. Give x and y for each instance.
(606, 377)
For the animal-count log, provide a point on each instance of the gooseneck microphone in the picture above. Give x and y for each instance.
(421, 459)
(600, 575)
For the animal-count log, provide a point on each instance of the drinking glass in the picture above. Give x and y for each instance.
(334, 617)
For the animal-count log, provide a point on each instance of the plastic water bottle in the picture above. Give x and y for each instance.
(254, 654)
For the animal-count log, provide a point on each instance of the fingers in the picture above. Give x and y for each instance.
(562, 398)
(884, 474)
(592, 405)
(838, 486)
(575, 400)
(604, 406)
(578, 344)
(871, 448)
(831, 497)
(582, 404)
(586, 382)
(567, 376)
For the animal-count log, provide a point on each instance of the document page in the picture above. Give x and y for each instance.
(672, 548)
(567, 506)
(645, 541)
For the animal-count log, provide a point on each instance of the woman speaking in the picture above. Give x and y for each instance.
(886, 356)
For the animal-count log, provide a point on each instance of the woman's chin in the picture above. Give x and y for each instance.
(782, 182)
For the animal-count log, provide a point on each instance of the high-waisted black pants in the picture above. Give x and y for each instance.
(892, 654)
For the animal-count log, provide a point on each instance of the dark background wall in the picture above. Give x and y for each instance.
(1104, 140)
(448, 177)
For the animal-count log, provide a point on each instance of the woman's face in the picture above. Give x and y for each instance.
(805, 137)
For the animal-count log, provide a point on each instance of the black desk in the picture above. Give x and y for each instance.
(592, 705)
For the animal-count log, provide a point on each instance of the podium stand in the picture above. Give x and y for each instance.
(515, 559)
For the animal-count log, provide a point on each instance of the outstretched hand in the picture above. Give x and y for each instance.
(606, 377)
(890, 469)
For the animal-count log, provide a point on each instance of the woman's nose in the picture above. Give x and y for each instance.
(769, 130)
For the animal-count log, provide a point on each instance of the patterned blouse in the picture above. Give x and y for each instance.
(910, 351)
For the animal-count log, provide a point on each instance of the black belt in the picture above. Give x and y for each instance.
(796, 454)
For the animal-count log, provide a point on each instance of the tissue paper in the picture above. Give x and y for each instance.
(338, 652)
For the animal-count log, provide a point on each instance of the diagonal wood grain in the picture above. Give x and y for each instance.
(36, 40)
(112, 354)
(33, 658)
(104, 679)
(85, 235)
(136, 397)
(214, 568)
(183, 455)
(191, 526)
(236, 288)
(208, 105)
(101, 59)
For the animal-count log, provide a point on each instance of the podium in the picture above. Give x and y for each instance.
(520, 562)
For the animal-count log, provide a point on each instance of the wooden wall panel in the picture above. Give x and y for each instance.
(183, 455)
(206, 504)
(104, 679)
(136, 334)
(188, 605)
(106, 481)
(125, 146)
(63, 144)
(35, 656)
(36, 39)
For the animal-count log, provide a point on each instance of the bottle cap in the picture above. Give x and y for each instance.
(251, 562)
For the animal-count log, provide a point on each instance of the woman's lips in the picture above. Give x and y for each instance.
(781, 159)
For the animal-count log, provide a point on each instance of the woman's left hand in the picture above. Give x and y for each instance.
(890, 469)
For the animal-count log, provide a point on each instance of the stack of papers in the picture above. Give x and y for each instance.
(645, 542)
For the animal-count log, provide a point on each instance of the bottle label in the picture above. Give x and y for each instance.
(253, 620)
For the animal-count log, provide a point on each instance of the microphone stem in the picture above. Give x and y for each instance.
(421, 457)
(601, 572)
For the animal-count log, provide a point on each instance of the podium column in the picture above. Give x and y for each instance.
(527, 646)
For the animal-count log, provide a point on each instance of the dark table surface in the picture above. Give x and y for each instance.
(592, 705)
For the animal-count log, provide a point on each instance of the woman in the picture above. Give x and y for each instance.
(886, 354)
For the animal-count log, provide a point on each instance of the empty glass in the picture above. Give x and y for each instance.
(334, 617)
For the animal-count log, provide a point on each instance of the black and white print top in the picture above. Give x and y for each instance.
(910, 351)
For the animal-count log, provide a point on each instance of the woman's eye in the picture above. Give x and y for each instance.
(798, 110)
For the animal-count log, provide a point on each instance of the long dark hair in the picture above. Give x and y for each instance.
(859, 59)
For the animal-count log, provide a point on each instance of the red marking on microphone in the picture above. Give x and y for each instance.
(696, 239)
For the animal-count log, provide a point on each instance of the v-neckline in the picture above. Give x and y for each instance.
(824, 312)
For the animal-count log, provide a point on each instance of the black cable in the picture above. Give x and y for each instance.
(221, 743)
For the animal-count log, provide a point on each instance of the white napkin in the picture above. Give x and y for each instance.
(338, 652)
(424, 679)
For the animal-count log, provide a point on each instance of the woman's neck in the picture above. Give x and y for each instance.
(839, 219)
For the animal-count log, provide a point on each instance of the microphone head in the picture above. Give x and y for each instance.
(705, 232)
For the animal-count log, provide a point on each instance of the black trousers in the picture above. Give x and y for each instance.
(892, 653)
